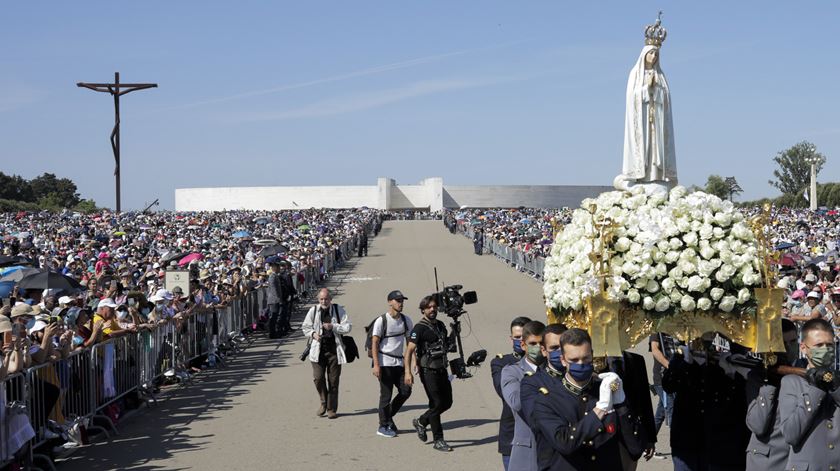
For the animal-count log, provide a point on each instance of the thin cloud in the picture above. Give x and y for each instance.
(346, 76)
(365, 101)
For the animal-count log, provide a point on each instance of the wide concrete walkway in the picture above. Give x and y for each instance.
(259, 413)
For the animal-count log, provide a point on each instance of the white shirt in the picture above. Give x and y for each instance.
(393, 342)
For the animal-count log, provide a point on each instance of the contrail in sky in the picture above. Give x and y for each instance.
(335, 78)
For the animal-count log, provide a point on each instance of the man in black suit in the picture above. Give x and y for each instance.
(632, 369)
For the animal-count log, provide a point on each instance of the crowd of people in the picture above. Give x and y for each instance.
(71, 281)
(528, 230)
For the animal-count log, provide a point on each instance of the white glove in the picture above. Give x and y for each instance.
(611, 379)
(605, 395)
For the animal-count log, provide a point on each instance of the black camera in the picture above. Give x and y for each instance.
(451, 301)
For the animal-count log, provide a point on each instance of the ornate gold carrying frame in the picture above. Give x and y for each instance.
(615, 327)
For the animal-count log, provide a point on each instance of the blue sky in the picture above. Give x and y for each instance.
(492, 92)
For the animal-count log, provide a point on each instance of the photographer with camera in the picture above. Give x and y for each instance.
(809, 407)
(429, 341)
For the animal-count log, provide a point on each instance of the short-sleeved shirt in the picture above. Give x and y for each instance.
(422, 335)
(108, 327)
(657, 367)
(392, 344)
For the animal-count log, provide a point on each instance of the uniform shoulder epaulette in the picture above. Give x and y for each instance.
(500, 355)
(544, 391)
(529, 373)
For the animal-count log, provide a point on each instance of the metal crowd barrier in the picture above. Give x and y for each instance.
(528, 263)
(86, 383)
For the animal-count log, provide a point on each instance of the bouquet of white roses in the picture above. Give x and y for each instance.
(671, 253)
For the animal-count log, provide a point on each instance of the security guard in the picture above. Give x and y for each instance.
(585, 419)
(809, 409)
(708, 430)
(523, 453)
(429, 341)
(548, 377)
(506, 421)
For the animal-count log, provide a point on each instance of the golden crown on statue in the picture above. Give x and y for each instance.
(655, 34)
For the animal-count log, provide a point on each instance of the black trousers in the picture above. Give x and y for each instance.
(363, 249)
(389, 377)
(274, 318)
(285, 322)
(326, 372)
(439, 390)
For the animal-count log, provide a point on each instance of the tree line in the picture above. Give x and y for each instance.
(792, 178)
(44, 192)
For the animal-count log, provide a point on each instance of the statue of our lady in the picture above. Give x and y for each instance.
(649, 156)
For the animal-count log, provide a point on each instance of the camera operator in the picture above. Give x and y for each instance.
(808, 407)
(429, 341)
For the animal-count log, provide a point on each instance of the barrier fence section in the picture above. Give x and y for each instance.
(533, 265)
(88, 382)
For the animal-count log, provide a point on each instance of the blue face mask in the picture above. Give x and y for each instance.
(517, 347)
(555, 360)
(581, 371)
(77, 340)
(30, 323)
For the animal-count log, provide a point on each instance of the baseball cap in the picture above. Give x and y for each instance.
(65, 300)
(39, 325)
(815, 295)
(810, 278)
(396, 294)
(107, 302)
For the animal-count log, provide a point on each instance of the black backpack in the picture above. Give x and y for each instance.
(369, 334)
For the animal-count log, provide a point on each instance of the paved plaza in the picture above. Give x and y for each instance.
(259, 412)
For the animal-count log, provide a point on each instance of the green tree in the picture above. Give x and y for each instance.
(794, 172)
(717, 186)
(59, 191)
(86, 206)
(733, 187)
(15, 187)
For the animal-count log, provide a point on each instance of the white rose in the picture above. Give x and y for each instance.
(718, 233)
(707, 252)
(727, 304)
(662, 304)
(668, 285)
(652, 286)
(675, 243)
(672, 256)
(723, 219)
(622, 244)
(630, 268)
(648, 303)
(744, 295)
(676, 296)
(687, 303)
(717, 293)
(706, 232)
(687, 267)
(704, 304)
(633, 296)
(695, 283)
(690, 239)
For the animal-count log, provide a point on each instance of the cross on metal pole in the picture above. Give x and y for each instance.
(116, 89)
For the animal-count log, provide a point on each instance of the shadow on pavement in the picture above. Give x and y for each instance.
(156, 433)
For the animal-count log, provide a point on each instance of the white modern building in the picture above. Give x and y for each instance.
(430, 195)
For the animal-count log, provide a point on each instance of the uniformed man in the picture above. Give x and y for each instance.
(523, 453)
(585, 420)
(808, 408)
(506, 422)
(548, 377)
(767, 450)
(708, 430)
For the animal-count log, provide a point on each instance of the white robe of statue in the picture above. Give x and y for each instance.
(649, 156)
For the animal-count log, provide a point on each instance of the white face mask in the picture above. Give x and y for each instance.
(122, 315)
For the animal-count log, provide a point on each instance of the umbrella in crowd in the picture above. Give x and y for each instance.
(273, 250)
(190, 258)
(785, 246)
(6, 261)
(241, 234)
(266, 242)
(172, 257)
(49, 280)
(17, 273)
